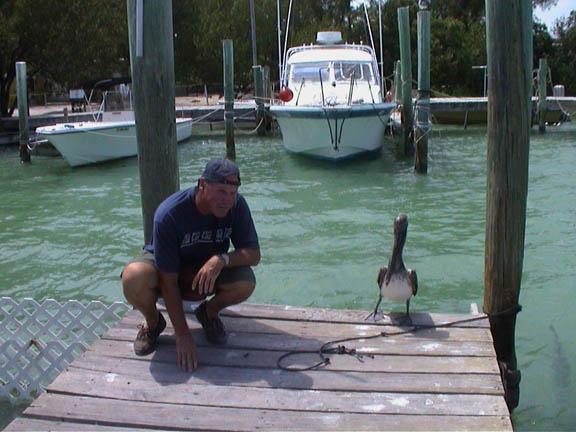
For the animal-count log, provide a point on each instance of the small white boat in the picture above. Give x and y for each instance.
(111, 136)
(332, 100)
(92, 142)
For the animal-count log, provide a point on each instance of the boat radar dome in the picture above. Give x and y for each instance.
(329, 37)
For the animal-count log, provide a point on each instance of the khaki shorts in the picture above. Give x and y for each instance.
(228, 275)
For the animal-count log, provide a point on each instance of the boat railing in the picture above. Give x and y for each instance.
(322, 87)
(296, 49)
(351, 90)
(120, 100)
(300, 90)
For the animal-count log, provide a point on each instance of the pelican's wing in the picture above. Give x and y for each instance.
(413, 281)
(381, 275)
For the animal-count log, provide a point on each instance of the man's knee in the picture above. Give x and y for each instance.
(138, 277)
(247, 287)
(240, 289)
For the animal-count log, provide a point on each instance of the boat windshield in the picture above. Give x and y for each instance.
(308, 71)
(344, 71)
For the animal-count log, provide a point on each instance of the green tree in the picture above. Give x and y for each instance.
(563, 64)
(70, 41)
(66, 41)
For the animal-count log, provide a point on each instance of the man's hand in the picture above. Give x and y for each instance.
(185, 346)
(186, 351)
(206, 277)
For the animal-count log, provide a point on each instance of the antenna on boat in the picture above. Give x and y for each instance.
(370, 34)
(381, 64)
(279, 31)
(368, 24)
(286, 39)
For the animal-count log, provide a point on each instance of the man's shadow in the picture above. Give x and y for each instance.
(249, 357)
(256, 345)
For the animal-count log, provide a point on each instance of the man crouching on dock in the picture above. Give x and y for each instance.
(188, 259)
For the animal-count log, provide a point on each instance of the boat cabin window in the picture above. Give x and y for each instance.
(360, 71)
(308, 72)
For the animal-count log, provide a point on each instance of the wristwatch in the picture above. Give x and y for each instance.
(226, 258)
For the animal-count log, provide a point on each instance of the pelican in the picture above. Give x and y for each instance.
(395, 281)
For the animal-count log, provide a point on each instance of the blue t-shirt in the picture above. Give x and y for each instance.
(182, 236)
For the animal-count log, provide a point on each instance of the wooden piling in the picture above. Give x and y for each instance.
(22, 96)
(527, 29)
(407, 114)
(152, 62)
(423, 110)
(542, 76)
(259, 98)
(228, 48)
(507, 179)
(267, 97)
(397, 82)
(253, 34)
(266, 83)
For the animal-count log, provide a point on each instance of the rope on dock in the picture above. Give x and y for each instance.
(341, 349)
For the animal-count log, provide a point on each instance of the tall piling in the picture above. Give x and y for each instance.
(527, 30)
(259, 92)
(152, 63)
(397, 90)
(423, 104)
(22, 96)
(509, 102)
(228, 49)
(542, 108)
(267, 97)
(253, 33)
(405, 59)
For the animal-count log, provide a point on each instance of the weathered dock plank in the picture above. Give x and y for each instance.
(435, 379)
(32, 424)
(314, 380)
(324, 329)
(94, 384)
(263, 358)
(295, 313)
(168, 416)
(289, 342)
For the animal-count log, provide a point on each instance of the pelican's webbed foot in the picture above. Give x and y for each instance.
(406, 321)
(374, 313)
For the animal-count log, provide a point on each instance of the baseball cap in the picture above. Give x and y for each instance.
(218, 169)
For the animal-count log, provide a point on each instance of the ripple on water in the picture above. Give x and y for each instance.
(325, 229)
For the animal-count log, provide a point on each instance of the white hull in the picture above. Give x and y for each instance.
(333, 133)
(93, 142)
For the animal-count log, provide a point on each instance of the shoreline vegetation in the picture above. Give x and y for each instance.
(65, 61)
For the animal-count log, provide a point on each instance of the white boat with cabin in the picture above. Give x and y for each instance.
(332, 100)
(112, 135)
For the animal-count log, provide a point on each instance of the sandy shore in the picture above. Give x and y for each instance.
(182, 101)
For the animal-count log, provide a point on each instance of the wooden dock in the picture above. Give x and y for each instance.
(207, 118)
(445, 378)
(473, 110)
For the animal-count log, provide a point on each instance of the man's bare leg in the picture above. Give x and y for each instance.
(228, 295)
(140, 285)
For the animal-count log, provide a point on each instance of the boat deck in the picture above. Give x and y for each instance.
(443, 378)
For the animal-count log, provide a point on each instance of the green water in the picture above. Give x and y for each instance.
(324, 229)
